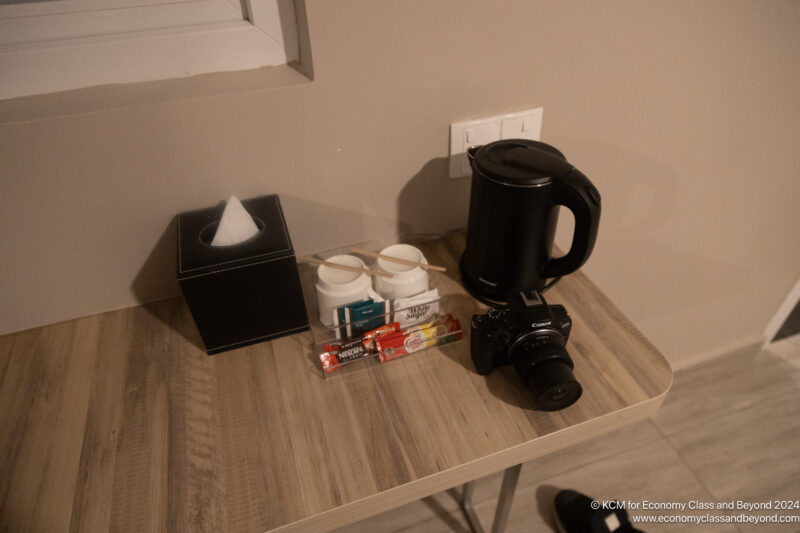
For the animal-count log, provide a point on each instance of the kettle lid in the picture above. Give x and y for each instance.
(520, 162)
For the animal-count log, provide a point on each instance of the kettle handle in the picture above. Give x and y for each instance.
(471, 151)
(575, 192)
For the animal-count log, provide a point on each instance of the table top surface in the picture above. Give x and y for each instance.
(121, 422)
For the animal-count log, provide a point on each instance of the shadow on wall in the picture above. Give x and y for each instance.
(431, 202)
(156, 278)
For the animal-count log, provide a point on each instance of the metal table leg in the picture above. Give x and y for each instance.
(506, 497)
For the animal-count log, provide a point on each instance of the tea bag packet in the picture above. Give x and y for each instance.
(354, 319)
(236, 225)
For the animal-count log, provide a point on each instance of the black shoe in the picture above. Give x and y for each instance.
(574, 514)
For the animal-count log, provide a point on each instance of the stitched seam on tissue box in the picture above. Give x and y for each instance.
(233, 268)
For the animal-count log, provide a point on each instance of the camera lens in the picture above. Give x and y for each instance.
(557, 394)
(553, 385)
(546, 369)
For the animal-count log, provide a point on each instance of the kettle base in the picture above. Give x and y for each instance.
(474, 292)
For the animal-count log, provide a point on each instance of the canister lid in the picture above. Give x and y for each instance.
(520, 162)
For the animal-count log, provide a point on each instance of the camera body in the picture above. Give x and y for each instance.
(532, 336)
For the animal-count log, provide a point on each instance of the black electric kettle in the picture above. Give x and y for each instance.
(517, 186)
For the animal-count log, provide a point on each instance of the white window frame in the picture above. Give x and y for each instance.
(70, 44)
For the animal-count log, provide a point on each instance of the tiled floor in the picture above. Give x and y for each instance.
(729, 430)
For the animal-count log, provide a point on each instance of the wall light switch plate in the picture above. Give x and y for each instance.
(520, 125)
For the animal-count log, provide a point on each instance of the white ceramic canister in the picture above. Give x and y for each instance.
(336, 287)
(407, 280)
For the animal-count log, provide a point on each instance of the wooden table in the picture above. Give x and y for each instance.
(120, 421)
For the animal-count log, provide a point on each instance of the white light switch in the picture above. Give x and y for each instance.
(523, 125)
(519, 125)
(511, 128)
(482, 133)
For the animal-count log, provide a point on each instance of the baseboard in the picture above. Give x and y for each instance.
(753, 342)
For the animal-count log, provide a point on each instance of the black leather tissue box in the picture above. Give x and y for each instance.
(244, 293)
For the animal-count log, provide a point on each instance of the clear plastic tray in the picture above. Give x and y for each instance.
(407, 330)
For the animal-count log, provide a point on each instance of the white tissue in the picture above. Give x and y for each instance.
(236, 225)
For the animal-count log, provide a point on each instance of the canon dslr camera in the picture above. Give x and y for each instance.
(532, 336)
